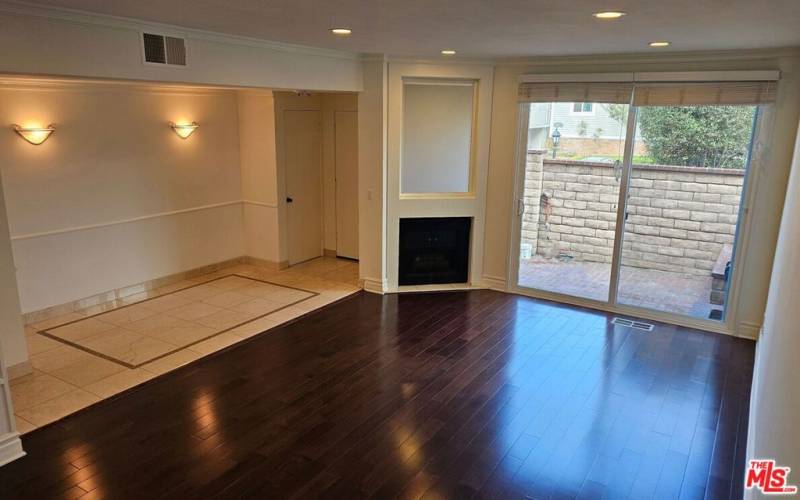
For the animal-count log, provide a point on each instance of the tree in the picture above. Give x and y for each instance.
(702, 136)
(617, 112)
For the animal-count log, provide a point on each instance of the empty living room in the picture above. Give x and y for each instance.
(399, 249)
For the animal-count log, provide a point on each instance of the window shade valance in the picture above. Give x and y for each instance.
(696, 94)
(652, 94)
(605, 92)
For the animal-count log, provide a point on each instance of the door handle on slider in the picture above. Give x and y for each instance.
(289, 200)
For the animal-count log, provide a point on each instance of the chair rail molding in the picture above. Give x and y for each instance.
(141, 218)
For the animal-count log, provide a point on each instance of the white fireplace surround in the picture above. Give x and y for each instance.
(470, 204)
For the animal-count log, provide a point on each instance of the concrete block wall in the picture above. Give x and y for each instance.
(679, 218)
(531, 220)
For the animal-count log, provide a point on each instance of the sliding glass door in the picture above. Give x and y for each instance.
(573, 167)
(684, 197)
(633, 199)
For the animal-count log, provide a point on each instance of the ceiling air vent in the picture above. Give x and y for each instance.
(639, 325)
(160, 49)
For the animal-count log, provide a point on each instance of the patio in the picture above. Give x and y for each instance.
(665, 291)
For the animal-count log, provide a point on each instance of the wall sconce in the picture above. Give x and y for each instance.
(184, 130)
(34, 135)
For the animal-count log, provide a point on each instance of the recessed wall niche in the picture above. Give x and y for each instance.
(438, 124)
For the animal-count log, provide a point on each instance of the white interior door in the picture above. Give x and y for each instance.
(346, 123)
(303, 161)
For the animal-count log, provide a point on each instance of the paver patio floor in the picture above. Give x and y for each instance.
(649, 288)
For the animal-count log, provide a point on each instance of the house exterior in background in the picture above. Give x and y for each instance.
(588, 130)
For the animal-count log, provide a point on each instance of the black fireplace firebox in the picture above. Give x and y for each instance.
(434, 250)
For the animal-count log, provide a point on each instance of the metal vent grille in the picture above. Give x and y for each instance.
(176, 51)
(159, 49)
(639, 325)
(154, 48)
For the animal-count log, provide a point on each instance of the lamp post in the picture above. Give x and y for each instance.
(556, 135)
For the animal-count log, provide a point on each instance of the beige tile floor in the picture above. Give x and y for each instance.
(89, 355)
(135, 334)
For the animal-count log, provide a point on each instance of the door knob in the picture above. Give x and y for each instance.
(289, 200)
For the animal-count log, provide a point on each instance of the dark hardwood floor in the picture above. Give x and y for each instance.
(447, 395)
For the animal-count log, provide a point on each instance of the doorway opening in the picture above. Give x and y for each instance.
(318, 155)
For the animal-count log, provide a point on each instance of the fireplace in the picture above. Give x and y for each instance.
(434, 250)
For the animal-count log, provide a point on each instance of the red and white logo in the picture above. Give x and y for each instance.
(770, 478)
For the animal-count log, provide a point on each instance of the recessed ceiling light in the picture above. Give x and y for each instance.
(610, 14)
(341, 31)
(448, 52)
(662, 43)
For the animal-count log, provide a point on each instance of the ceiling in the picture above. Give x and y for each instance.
(479, 28)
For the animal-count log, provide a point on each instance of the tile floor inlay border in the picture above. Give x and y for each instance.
(77, 345)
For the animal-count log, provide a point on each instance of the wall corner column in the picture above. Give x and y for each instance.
(13, 349)
(372, 170)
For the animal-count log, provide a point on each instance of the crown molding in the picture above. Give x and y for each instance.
(652, 58)
(93, 19)
(374, 58)
(443, 61)
(599, 59)
(9, 81)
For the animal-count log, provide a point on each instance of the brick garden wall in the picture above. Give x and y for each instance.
(679, 218)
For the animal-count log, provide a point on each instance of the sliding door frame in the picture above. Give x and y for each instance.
(622, 203)
(612, 305)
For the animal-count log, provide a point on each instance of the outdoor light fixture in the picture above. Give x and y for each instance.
(34, 135)
(661, 43)
(341, 31)
(184, 130)
(611, 14)
(556, 135)
(448, 52)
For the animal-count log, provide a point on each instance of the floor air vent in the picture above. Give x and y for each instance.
(639, 325)
(160, 49)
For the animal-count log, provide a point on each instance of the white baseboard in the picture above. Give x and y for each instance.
(748, 330)
(373, 286)
(10, 448)
(495, 283)
(19, 370)
(269, 264)
(752, 421)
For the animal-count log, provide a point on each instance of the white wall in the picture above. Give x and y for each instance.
(775, 399)
(259, 174)
(43, 40)
(114, 197)
(765, 209)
